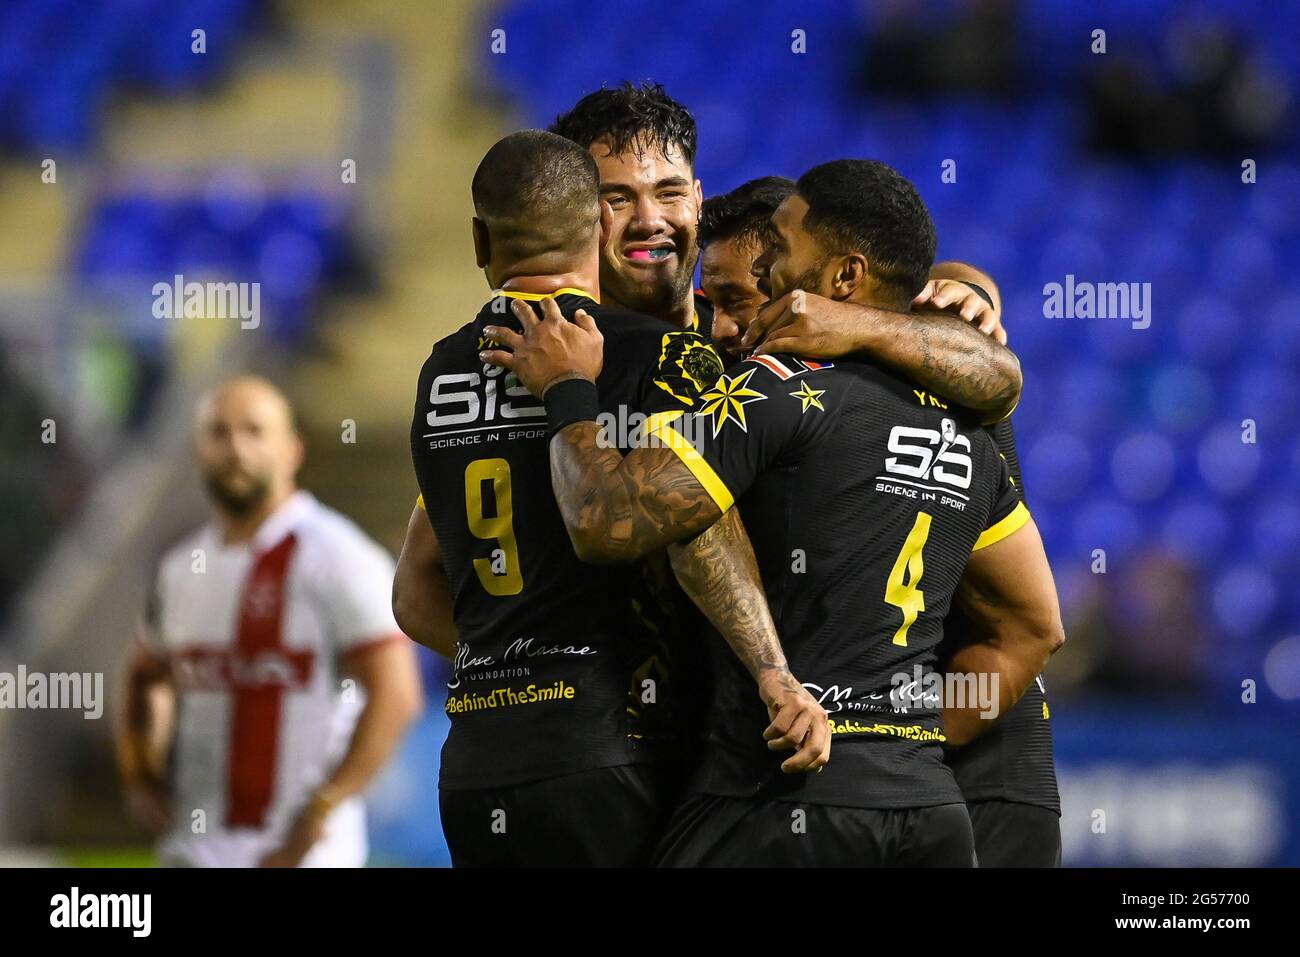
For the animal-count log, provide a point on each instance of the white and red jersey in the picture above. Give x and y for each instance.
(254, 634)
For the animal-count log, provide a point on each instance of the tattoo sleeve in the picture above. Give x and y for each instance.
(950, 357)
(619, 508)
(717, 569)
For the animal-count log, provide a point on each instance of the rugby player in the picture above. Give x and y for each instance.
(868, 500)
(239, 672)
(566, 722)
(1007, 776)
(733, 227)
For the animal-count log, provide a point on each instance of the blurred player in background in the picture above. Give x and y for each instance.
(644, 144)
(816, 452)
(270, 683)
(1008, 775)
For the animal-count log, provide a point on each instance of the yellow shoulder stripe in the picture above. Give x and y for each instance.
(1000, 530)
(659, 426)
(538, 296)
(1013, 408)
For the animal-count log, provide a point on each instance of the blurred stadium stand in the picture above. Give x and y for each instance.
(227, 165)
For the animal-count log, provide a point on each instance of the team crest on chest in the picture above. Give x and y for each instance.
(688, 365)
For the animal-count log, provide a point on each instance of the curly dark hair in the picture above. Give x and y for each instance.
(865, 206)
(628, 114)
(743, 213)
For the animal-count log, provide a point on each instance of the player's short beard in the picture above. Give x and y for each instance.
(238, 502)
(660, 298)
(811, 279)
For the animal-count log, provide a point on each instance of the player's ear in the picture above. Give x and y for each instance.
(699, 194)
(849, 275)
(606, 223)
(482, 245)
(298, 452)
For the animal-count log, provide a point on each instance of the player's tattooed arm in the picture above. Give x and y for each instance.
(945, 354)
(617, 508)
(717, 569)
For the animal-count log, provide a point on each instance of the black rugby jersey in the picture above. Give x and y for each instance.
(1013, 760)
(561, 666)
(864, 497)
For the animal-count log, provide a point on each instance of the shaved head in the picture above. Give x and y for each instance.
(537, 194)
(246, 390)
(247, 445)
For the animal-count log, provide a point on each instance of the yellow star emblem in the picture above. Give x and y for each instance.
(727, 399)
(810, 397)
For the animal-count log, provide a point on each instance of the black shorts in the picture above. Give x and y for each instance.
(1008, 834)
(711, 831)
(607, 817)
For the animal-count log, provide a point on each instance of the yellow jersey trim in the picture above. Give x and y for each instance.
(1014, 407)
(419, 503)
(538, 296)
(658, 426)
(1000, 530)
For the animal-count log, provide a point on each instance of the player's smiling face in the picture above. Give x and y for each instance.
(653, 201)
(793, 259)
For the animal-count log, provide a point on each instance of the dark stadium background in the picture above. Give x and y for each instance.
(1173, 449)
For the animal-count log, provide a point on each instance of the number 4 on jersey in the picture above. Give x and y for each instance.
(905, 595)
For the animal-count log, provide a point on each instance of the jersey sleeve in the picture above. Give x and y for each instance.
(759, 413)
(358, 592)
(1008, 513)
(1004, 437)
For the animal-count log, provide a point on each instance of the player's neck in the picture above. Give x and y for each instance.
(588, 282)
(878, 296)
(239, 529)
(681, 315)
